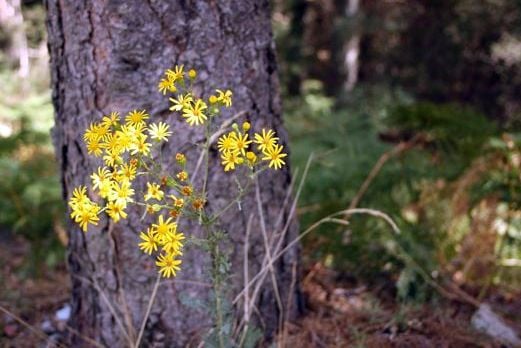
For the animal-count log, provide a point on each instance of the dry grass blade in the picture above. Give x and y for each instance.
(332, 218)
(147, 313)
(278, 240)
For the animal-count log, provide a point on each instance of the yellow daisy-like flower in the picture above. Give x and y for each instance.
(101, 181)
(150, 242)
(168, 265)
(112, 158)
(194, 113)
(113, 143)
(154, 191)
(226, 142)
(265, 140)
(116, 211)
(95, 148)
(225, 97)
(164, 227)
(127, 172)
(182, 102)
(85, 214)
(79, 196)
(159, 131)
(91, 133)
(274, 155)
(140, 146)
(166, 85)
(124, 137)
(136, 118)
(173, 243)
(110, 120)
(240, 143)
(121, 193)
(230, 159)
(176, 74)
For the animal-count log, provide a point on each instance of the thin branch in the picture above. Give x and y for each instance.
(398, 149)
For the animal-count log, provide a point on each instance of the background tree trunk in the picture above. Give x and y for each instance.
(108, 56)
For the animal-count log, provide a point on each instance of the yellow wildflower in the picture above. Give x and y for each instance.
(198, 203)
(136, 118)
(172, 243)
(154, 191)
(166, 85)
(121, 193)
(225, 97)
(164, 227)
(240, 143)
(182, 102)
(230, 159)
(149, 242)
(116, 210)
(168, 265)
(178, 202)
(110, 120)
(94, 148)
(101, 180)
(79, 196)
(274, 155)
(159, 131)
(176, 74)
(127, 171)
(265, 140)
(226, 142)
(141, 146)
(86, 213)
(194, 113)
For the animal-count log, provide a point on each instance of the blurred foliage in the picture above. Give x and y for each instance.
(435, 190)
(32, 206)
(439, 79)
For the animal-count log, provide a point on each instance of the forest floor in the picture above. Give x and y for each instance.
(340, 311)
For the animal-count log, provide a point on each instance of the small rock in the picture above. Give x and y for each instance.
(47, 327)
(488, 322)
(64, 313)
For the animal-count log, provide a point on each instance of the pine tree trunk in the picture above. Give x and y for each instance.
(108, 56)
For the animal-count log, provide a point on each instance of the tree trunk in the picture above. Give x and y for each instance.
(108, 56)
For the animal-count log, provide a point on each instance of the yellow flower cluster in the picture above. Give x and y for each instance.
(125, 148)
(164, 235)
(235, 148)
(193, 109)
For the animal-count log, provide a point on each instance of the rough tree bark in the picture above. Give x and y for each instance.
(107, 55)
